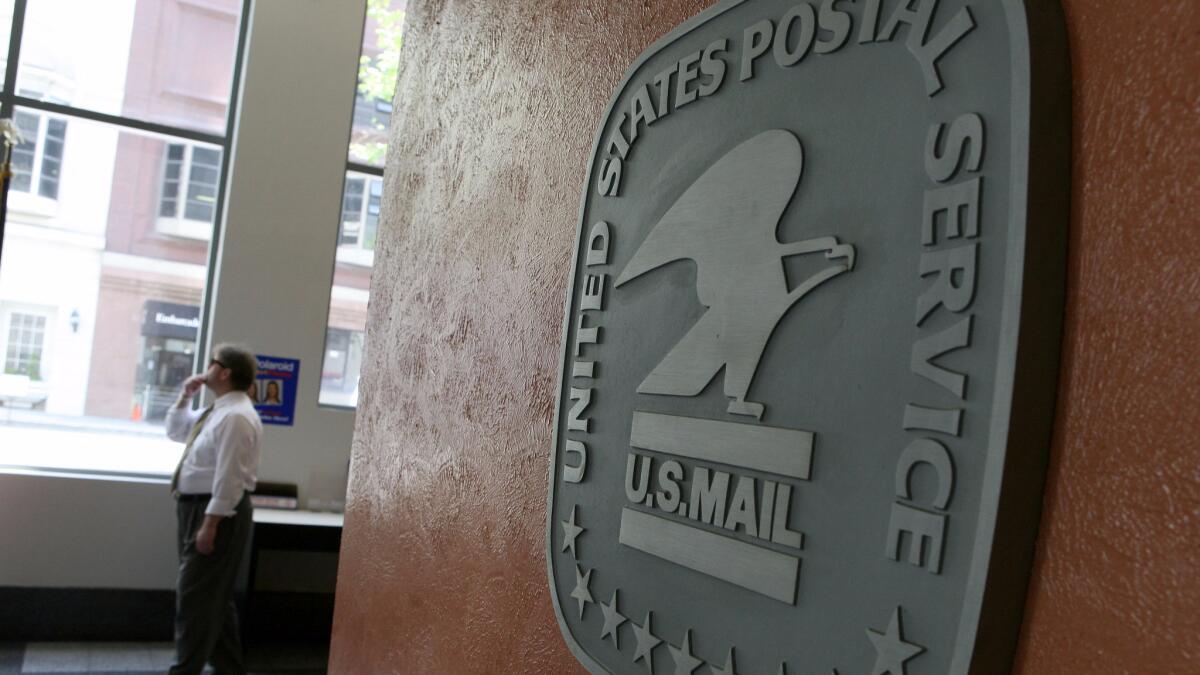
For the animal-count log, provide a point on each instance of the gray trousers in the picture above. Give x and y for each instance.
(206, 623)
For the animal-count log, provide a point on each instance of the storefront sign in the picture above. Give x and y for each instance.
(811, 345)
(170, 320)
(275, 389)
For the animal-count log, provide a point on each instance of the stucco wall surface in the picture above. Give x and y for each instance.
(442, 567)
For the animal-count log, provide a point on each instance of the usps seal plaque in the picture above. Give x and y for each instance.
(811, 342)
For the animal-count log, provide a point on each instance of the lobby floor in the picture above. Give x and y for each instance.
(130, 658)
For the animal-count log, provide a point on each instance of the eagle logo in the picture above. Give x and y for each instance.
(726, 222)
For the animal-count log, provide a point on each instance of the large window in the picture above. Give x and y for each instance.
(123, 107)
(362, 200)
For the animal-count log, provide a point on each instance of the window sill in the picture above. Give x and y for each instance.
(32, 206)
(184, 228)
(338, 407)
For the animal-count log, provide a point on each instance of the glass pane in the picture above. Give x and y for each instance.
(165, 61)
(52, 150)
(382, 37)
(202, 184)
(173, 170)
(346, 333)
(352, 200)
(23, 154)
(99, 300)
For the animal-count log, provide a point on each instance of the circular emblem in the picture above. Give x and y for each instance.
(800, 341)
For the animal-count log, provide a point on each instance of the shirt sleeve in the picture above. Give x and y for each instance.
(234, 439)
(180, 421)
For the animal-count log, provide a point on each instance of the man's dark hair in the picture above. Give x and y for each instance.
(242, 365)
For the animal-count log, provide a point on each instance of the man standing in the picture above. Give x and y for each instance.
(211, 486)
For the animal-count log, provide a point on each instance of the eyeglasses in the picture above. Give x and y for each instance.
(218, 363)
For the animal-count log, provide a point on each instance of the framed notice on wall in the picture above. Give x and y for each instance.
(275, 389)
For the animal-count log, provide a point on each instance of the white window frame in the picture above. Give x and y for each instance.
(179, 225)
(31, 201)
(44, 357)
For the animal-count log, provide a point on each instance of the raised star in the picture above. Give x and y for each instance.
(646, 642)
(612, 620)
(729, 667)
(570, 532)
(685, 662)
(891, 651)
(581, 592)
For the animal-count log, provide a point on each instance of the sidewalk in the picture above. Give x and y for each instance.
(23, 417)
(37, 440)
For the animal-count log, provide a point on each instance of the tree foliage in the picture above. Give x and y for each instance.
(377, 74)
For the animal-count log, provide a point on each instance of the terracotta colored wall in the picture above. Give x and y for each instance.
(1116, 582)
(442, 568)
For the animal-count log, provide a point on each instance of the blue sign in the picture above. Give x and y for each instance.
(275, 387)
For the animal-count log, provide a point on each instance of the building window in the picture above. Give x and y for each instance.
(26, 340)
(188, 200)
(360, 212)
(37, 160)
(190, 176)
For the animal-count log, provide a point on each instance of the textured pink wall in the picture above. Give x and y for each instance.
(1116, 585)
(442, 568)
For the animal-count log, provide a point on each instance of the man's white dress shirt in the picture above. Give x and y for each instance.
(223, 460)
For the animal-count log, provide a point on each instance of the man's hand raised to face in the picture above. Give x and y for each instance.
(190, 387)
(193, 384)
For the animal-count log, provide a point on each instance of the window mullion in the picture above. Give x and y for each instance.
(16, 32)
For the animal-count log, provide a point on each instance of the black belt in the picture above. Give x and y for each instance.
(183, 497)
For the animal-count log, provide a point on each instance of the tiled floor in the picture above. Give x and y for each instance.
(130, 658)
(96, 657)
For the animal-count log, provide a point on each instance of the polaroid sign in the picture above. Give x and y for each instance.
(275, 389)
(811, 344)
